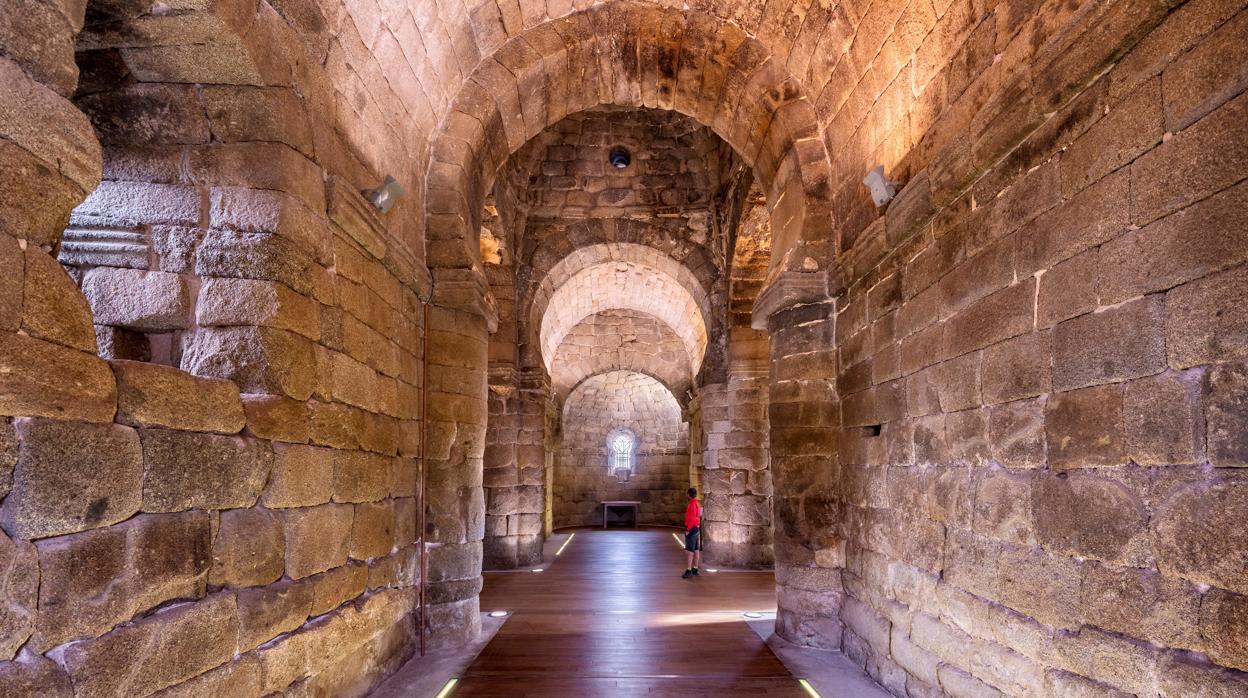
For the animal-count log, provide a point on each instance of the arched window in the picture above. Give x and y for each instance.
(620, 446)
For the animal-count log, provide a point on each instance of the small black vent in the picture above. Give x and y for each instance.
(619, 158)
(872, 430)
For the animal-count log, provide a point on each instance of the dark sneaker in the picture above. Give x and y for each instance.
(695, 571)
(687, 574)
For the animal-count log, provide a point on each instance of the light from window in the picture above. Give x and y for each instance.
(620, 453)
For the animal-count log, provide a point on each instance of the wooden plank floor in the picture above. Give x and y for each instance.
(612, 617)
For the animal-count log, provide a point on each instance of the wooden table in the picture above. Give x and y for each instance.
(606, 509)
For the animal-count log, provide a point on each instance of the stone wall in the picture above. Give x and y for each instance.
(633, 401)
(1038, 377)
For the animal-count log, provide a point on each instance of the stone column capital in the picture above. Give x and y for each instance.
(465, 290)
(787, 289)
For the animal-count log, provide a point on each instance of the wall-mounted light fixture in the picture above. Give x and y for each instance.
(882, 188)
(384, 197)
(619, 157)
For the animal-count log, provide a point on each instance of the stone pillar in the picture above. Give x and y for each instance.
(515, 467)
(735, 477)
(459, 326)
(804, 425)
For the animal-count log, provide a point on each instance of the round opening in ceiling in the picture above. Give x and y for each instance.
(620, 157)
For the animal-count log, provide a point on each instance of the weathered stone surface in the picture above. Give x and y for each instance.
(8, 455)
(265, 613)
(1092, 515)
(1196, 535)
(302, 476)
(158, 651)
(1117, 344)
(258, 359)
(239, 678)
(186, 470)
(1227, 415)
(248, 548)
(1084, 428)
(333, 588)
(1017, 368)
(226, 302)
(361, 477)
(71, 477)
(54, 308)
(277, 418)
(150, 301)
(149, 395)
(1207, 320)
(1162, 419)
(32, 676)
(317, 538)
(372, 530)
(1017, 433)
(13, 261)
(19, 582)
(1224, 627)
(93, 580)
(48, 380)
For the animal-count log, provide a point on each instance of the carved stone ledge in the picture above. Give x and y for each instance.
(465, 290)
(787, 289)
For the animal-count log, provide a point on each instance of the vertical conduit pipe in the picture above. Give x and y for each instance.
(424, 466)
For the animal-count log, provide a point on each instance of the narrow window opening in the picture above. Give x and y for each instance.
(620, 446)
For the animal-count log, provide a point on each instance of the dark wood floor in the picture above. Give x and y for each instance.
(612, 617)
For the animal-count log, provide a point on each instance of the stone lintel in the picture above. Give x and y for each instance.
(466, 290)
(786, 289)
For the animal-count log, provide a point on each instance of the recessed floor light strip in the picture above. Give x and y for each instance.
(810, 690)
(679, 542)
(448, 687)
(565, 544)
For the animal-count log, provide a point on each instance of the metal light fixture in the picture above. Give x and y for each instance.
(619, 157)
(882, 188)
(498, 614)
(384, 197)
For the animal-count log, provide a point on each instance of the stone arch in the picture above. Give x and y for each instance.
(629, 54)
(621, 340)
(608, 278)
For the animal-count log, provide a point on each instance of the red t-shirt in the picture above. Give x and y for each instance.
(693, 515)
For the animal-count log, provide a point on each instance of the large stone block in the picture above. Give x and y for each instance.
(317, 538)
(277, 418)
(93, 580)
(1094, 515)
(1141, 603)
(265, 613)
(149, 301)
(1084, 428)
(48, 380)
(1196, 531)
(54, 309)
(1207, 320)
(248, 548)
(240, 678)
(187, 470)
(260, 256)
(1226, 412)
(1017, 433)
(360, 476)
(32, 676)
(1017, 368)
(230, 302)
(258, 359)
(1224, 627)
(19, 570)
(372, 530)
(302, 476)
(8, 455)
(150, 395)
(1121, 343)
(335, 587)
(71, 477)
(159, 651)
(1162, 418)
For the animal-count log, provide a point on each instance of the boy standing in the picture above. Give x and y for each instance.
(693, 537)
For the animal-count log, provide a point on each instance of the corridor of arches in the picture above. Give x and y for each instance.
(322, 320)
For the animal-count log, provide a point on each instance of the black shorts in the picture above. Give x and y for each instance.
(693, 539)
